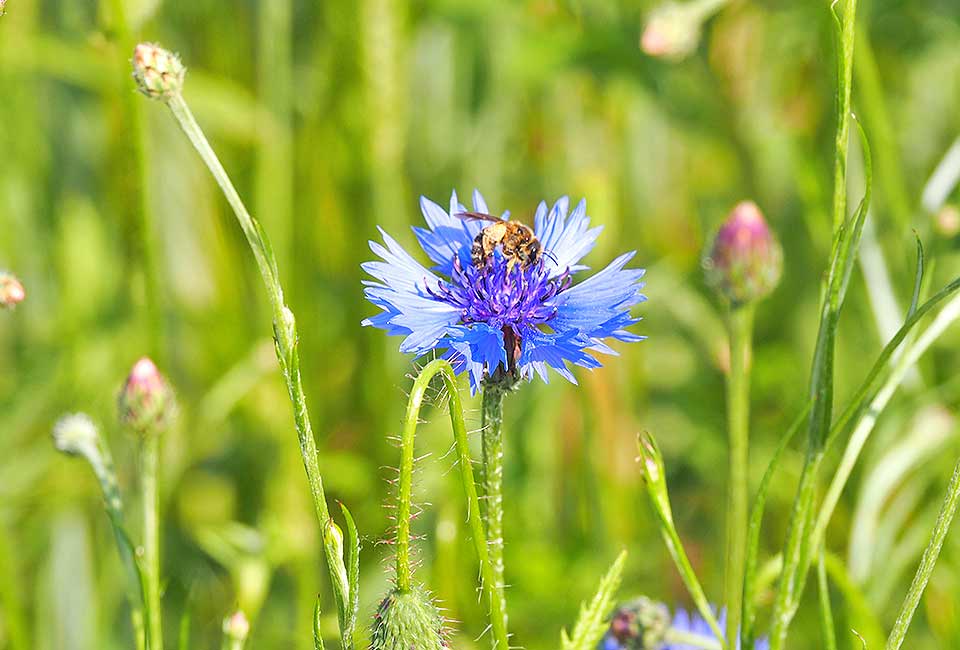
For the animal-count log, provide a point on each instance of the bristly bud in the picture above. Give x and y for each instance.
(11, 291)
(408, 620)
(745, 261)
(672, 30)
(158, 72)
(236, 628)
(640, 624)
(146, 401)
(76, 434)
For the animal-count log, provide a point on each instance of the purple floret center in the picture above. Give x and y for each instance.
(502, 295)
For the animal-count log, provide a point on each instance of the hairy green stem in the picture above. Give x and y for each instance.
(927, 562)
(284, 327)
(103, 469)
(491, 424)
(498, 617)
(740, 326)
(151, 539)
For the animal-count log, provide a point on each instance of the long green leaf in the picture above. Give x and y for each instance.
(753, 535)
(353, 575)
(927, 563)
(592, 621)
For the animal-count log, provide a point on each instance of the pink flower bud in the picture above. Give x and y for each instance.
(11, 291)
(745, 261)
(158, 72)
(236, 627)
(672, 31)
(146, 401)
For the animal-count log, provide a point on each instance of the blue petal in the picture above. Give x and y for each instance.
(481, 348)
(591, 305)
(540, 349)
(565, 240)
(403, 294)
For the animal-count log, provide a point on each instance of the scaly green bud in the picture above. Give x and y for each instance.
(745, 261)
(158, 72)
(146, 401)
(11, 291)
(640, 624)
(408, 620)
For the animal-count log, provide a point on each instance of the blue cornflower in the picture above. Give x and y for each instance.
(499, 318)
(695, 624)
(643, 624)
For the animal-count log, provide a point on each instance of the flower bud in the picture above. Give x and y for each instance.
(236, 628)
(672, 30)
(11, 291)
(640, 624)
(158, 72)
(146, 401)
(76, 434)
(408, 620)
(745, 261)
(947, 221)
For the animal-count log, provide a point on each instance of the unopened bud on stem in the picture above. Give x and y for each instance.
(158, 72)
(640, 624)
(408, 619)
(146, 401)
(76, 434)
(11, 291)
(236, 628)
(745, 261)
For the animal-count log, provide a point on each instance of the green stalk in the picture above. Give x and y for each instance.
(927, 562)
(284, 323)
(740, 326)
(284, 326)
(151, 540)
(826, 611)
(846, 25)
(491, 424)
(498, 617)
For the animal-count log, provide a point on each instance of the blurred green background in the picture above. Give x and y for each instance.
(332, 118)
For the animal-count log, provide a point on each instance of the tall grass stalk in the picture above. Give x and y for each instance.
(740, 326)
(927, 562)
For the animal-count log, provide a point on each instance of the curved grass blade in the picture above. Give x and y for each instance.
(918, 278)
(927, 563)
(654, 479)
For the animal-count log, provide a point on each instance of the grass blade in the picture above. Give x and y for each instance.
(353, 575)
(927, 563)
(826, 611)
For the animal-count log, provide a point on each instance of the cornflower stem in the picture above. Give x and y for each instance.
(150, 451)
(285, 340)
(740, 327)
(498, 617)
(113, 503)
(927, 562)
(491, 424)
(284, 323)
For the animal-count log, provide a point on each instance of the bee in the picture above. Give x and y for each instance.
(516, 241)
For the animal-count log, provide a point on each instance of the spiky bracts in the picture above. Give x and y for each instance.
(408, 620)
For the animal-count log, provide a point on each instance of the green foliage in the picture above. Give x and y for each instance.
(593, 619)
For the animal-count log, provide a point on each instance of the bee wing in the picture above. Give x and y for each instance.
(477, 216)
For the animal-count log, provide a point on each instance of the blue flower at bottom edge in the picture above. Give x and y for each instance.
(497, 317)
(643, 624)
